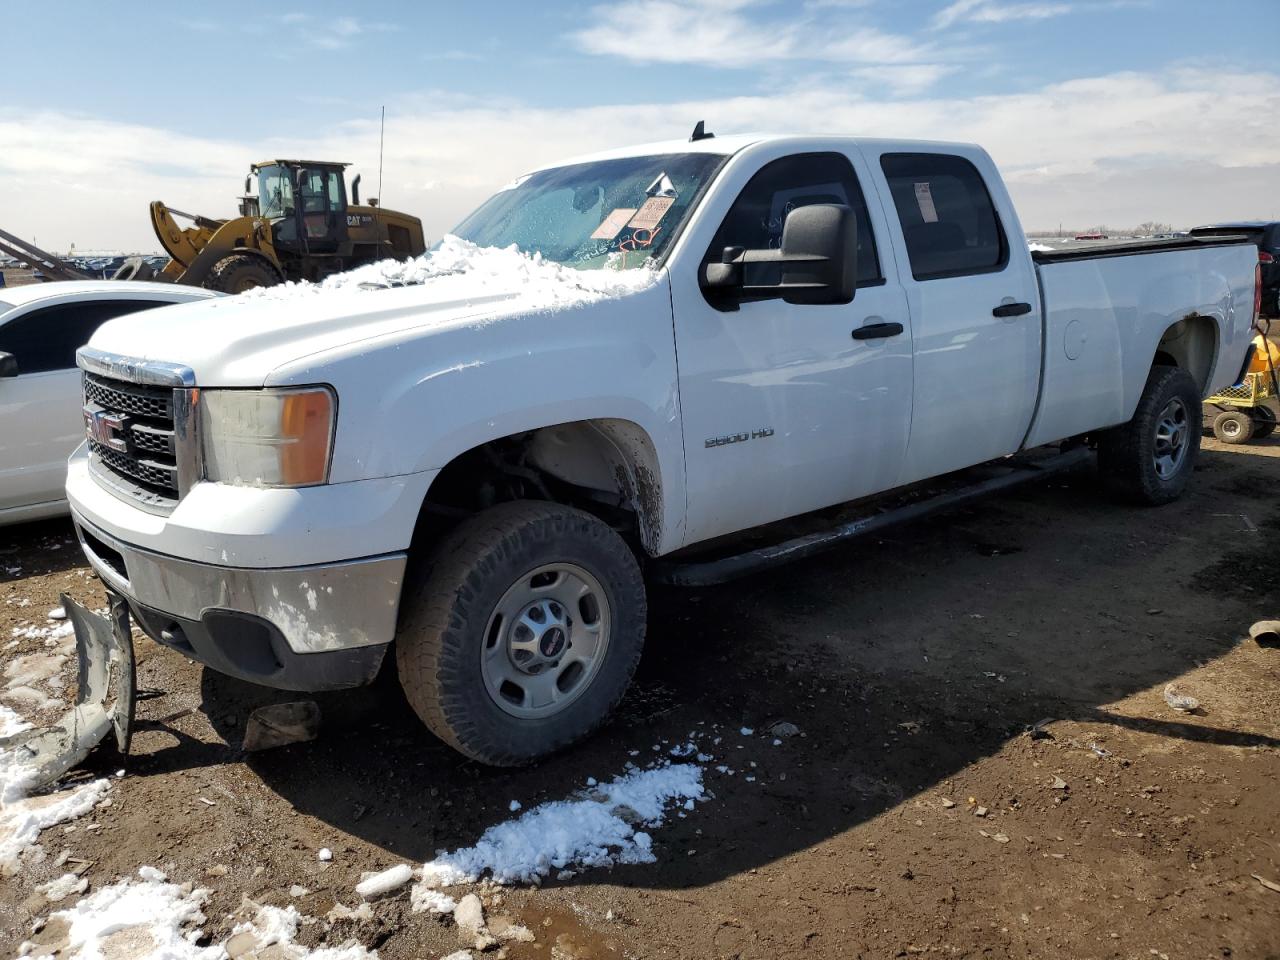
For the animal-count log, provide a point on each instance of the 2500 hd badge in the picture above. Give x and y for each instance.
(739, 437)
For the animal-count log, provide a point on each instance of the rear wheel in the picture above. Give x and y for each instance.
(1149, 459)
(1233, 426)
(240, 272)
(522, 633)
(1264, 422)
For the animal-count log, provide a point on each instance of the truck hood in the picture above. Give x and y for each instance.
(253, 339)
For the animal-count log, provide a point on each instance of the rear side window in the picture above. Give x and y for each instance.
(47, 339)
(756, 218)
(948, 220)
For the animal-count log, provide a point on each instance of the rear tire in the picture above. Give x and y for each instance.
(1233, 426)
(468, 662)
(1150, 459)
(240, 272)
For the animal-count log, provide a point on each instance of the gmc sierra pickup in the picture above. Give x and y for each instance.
(615, 360)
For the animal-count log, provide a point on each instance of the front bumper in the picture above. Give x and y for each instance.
(313, 627)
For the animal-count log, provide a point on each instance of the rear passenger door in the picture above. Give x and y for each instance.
(975, 309)
(787, 407)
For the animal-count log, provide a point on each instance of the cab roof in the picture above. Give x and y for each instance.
(732, 143)
(303, 163)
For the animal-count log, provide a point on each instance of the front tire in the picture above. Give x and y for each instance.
(522, 632)
(240, 272)
(1150, 459)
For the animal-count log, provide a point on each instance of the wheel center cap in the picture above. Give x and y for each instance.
(552, 642)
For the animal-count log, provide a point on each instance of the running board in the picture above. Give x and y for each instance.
(710, 572)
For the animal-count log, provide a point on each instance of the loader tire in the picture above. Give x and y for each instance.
(521, 632)
(1150, 459)
(240, 272)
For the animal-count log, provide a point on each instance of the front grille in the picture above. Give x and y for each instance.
(139, 443)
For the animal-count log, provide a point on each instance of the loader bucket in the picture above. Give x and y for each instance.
(104, 701)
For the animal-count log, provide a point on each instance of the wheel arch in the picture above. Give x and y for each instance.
(1192, 344)
(605, 464)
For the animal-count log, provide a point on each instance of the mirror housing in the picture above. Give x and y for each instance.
(8, 365)
(818, 258)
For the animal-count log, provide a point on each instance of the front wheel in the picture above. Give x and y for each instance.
(521, 634)
(1150, 459)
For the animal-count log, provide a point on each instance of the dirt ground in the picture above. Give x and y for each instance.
(915, 667)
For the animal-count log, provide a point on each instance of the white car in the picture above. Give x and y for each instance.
(41, 325)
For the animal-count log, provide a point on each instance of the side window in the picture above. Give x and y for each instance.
(756, 218)
(47, 339)
(948, 220)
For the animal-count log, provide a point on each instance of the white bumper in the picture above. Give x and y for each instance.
(233, 526)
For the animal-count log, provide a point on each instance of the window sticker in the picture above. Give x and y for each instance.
(651, 213)
(613, 223)
(924, 199)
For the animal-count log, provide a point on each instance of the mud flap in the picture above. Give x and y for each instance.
(104, 701)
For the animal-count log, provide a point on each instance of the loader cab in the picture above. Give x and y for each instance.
(306, 203)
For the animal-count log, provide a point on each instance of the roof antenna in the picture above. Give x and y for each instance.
(700, 133)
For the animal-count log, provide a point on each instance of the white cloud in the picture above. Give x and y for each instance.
(1184, 146)
(719, 34)
(904, 79)
(997, 11)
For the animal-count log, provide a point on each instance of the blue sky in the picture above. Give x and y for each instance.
(1110, 111)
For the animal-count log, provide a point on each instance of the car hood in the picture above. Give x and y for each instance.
(266, 336)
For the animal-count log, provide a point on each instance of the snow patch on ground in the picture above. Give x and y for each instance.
(461, 270)
(154, 918)
(598, 830)
(22, 817)
(1039, 248)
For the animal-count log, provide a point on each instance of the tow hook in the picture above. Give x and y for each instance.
(104, 699)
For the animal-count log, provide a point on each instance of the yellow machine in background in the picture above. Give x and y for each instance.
(1244, 414)
(297, 226)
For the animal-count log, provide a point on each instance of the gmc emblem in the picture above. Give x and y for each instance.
(106, 428)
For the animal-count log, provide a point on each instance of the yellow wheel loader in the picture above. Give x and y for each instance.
(297, 226)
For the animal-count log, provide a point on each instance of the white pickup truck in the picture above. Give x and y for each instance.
(616, 359)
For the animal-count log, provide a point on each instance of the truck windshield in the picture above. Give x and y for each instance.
(275, 192)
(616, 213)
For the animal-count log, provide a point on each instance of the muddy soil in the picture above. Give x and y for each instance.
(1007, 659)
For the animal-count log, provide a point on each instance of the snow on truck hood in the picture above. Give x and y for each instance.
(239, 341)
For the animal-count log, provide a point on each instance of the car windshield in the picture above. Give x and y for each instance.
(618, 213)
(275, 192)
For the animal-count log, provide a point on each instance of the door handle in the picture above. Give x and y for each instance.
(1011, 310)
(876, 331)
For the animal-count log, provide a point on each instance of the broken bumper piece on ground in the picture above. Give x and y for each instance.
(104, 701)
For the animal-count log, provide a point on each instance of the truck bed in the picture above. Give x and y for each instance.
(1106, 308)
(1127, 248)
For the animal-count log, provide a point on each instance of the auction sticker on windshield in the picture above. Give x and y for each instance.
(651, 213)
(613, 223)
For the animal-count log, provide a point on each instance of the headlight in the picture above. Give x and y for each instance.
(270, 438)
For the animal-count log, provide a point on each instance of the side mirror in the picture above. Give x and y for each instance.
(8, 365)
(818, 260)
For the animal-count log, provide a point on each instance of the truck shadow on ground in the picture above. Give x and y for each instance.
(902, 660)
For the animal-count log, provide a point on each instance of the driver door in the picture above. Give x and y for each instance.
(322, 205)
(786, 407)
